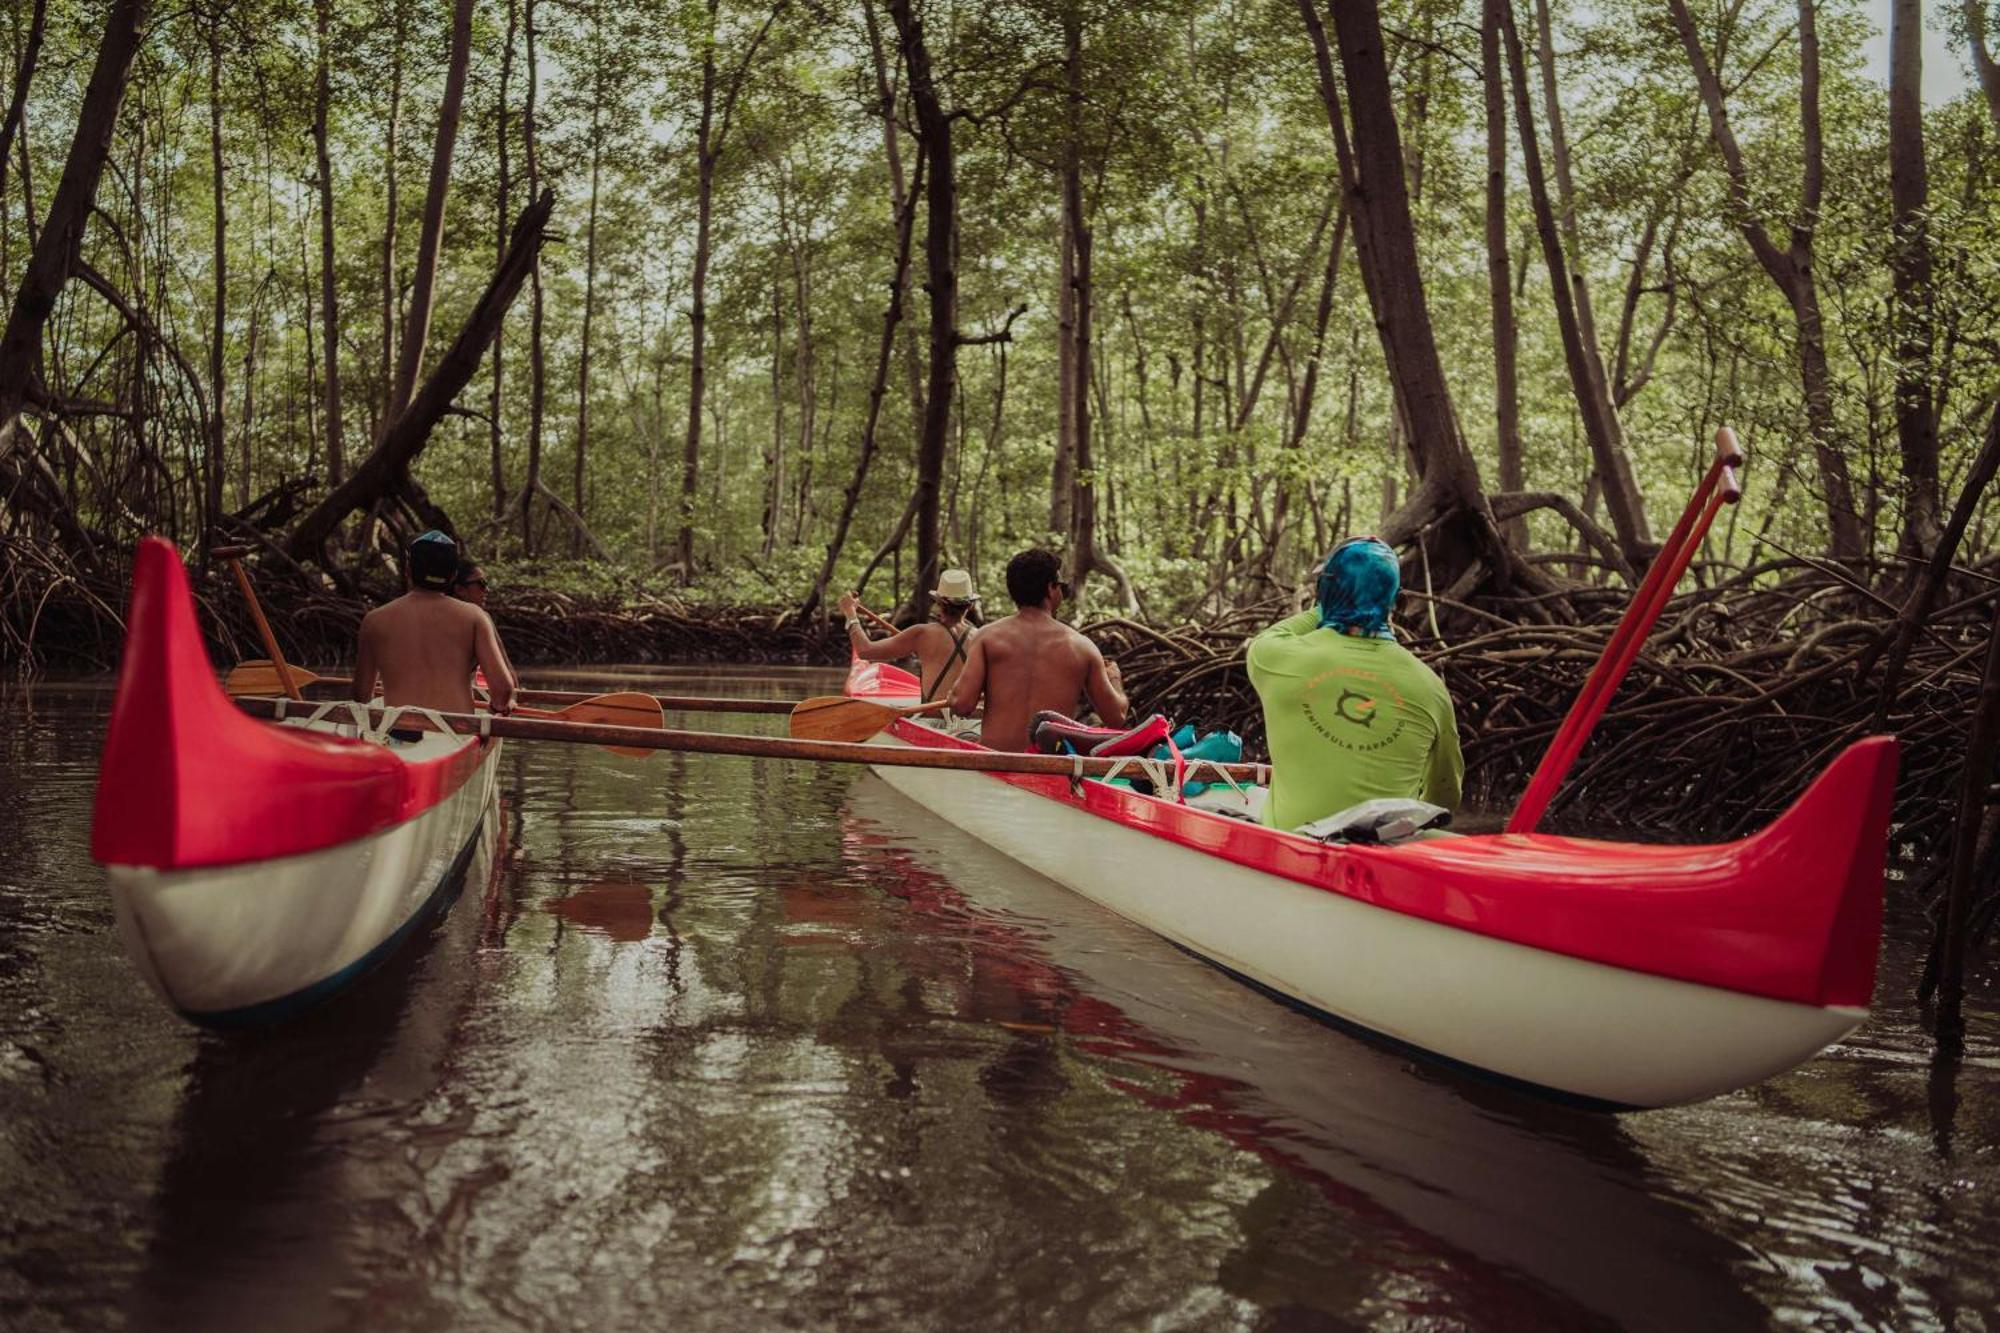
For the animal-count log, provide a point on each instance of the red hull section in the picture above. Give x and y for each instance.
(1791, 913)
(188, 780)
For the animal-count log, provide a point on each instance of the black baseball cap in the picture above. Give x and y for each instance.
(433, 561)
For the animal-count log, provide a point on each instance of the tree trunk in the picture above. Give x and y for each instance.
(941, 272)
(24, 76)
(1062, 472)
(698, 304)
(1086, 555)
(1790, 269)
(1623, 496)
(430, 240)
(1586, 371)
(589, 290)
(1982, 56)
(218, 397)
(774, 457)
(537, 358)
(1302, 405)
(329, 300)
(502, 201)
(805, 373)
(386, 469)
(1385, 245)
(710, 137)
(892, 317)
(1910, 265)
(57, 254)
(392, 207)
(1499, 281)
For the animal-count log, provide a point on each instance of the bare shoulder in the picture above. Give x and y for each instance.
(1082, 644)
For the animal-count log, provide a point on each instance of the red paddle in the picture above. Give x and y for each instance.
(1717, 487)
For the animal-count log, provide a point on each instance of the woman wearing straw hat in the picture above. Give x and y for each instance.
(939, 646)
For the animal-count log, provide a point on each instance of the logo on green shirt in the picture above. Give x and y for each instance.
(1345, 703)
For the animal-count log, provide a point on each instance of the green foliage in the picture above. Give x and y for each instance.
(1208, 169)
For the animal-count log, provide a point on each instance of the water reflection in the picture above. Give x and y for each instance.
(255, 1213)
(1435, 1174)
(762, 1045)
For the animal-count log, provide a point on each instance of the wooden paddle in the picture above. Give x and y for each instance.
(608, 710)
(883, 621)
(261, 678)
(1718, 487)
(835, 717)
(283, 674)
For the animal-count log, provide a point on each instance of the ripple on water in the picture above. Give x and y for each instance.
(765, 1046)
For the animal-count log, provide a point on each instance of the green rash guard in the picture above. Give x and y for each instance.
(1348, 719)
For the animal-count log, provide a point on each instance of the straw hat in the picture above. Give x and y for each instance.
(954, 585)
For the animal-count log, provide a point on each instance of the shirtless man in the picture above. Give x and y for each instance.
(939, 647)
(1031, 661)
(425, 644)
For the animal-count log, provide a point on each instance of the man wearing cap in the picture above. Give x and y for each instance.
(1349, 713)
(425, 644)
(940, 647)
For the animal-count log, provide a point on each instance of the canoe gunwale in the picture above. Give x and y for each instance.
(1792, 913)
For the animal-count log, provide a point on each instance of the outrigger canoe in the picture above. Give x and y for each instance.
(1618, 975)
(257, 869)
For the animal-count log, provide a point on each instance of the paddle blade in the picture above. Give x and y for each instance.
(260, 676)
(613, 710)
(835, 717)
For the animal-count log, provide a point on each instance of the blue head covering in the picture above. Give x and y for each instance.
(1358, 587)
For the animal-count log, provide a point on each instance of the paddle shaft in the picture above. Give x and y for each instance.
(883, 621)
(1718, 486)
(685, 703)
(780, 747)
(234, 555)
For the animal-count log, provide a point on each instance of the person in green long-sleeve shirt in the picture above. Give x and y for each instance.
(1349, 713)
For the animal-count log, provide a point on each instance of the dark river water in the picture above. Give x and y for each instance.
(713, 1043)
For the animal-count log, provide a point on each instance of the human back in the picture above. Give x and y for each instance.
(1030, 662)
(1351, 715)
(425, 644)
(941, 646)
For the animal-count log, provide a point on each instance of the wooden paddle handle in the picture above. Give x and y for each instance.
(883, 621)
(291, 687)
(1728, 457)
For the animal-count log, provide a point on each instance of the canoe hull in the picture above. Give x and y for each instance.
(253, 943)
(1601, 1034)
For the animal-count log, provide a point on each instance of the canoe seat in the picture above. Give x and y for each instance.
(1053, 733)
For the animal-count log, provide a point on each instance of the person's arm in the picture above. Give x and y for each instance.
(1105, 686)
(492, 659)
(903, 643)
(971, 682)
(1270, 652)
(1444, 783)
(362, 688)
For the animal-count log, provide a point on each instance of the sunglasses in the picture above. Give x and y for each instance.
(473, 583)
(1062, 586)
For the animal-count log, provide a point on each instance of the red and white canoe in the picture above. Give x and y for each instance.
(1619, 974)
(260, 868)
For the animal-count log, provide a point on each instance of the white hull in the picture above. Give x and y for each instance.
(244, 944)
(1585, 1029)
